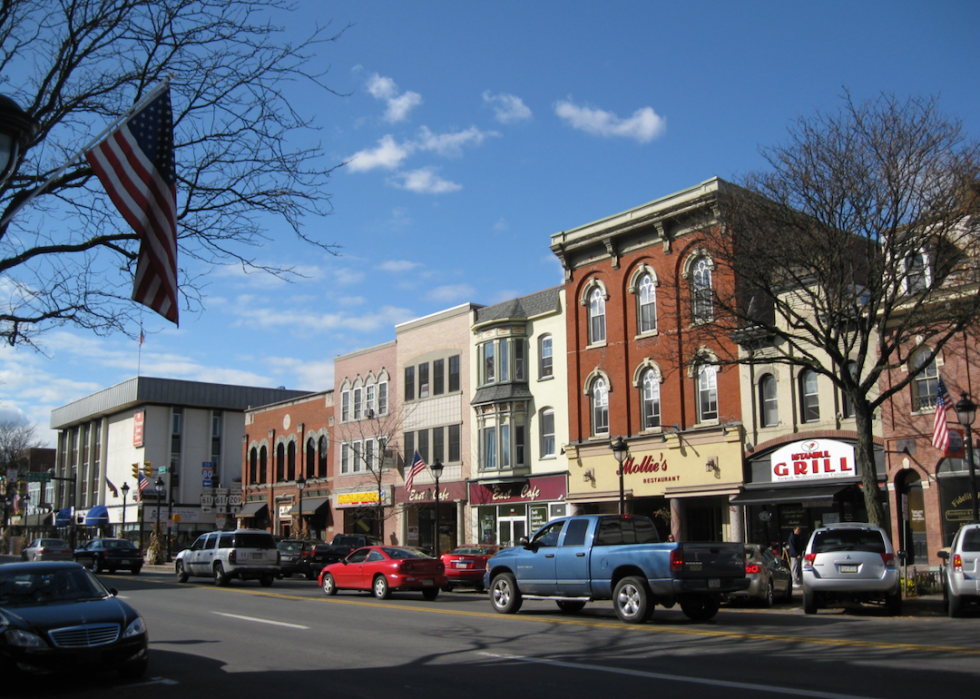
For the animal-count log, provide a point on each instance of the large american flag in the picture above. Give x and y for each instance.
(142, 483)
(940, 432)
(417, 467)
(135, 164)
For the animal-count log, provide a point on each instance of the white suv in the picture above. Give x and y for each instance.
(961, 583)
(850, 562)
(246, 554)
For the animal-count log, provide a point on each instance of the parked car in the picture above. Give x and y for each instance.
(850, 562)
(58, 617)
(338, 549)
(47, 550)
(110, 555)
(246, 554)
(961, 585)
(295, 557)
(769, 577)
(466, 565)
(383, 570)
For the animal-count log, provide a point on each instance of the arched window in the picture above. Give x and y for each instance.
(768, 405)
(291, 461)
(809, 396)
(600, 407)
(263, 464)
(253, 465)
(321, 457)
(702, 302)
(546, 424)
(597, 316)
(650, 387)
(280, 462)
(310, 458)
(925, 385)
(647, 305)
(707, 393)
(546, 365)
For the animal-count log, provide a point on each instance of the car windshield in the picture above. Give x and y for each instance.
(472, 551)
(118, 544)
(400, 553)
(52, 543)
(21, 587)
(868, 541)
(290, 546)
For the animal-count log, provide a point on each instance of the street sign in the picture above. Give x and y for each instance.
(37, 476)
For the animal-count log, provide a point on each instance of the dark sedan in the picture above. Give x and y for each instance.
(110, 555)
(58, 617)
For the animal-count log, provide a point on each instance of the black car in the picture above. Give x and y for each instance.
(58, 617)
(295, 557)
(324, 554)
(110, 555)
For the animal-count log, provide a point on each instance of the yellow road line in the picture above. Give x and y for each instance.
(639, 628)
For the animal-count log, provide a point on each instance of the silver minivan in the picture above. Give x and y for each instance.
(961, 582)
(850, 562)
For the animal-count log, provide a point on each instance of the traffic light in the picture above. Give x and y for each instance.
(148, 469)
(136, 471)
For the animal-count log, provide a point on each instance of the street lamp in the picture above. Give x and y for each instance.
(619, 450)
(125, 492)
(300, 484)
(158, 486)
(16, 130)
(437, 471)
(966, 413)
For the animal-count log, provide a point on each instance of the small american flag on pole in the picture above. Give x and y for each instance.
(940, 432)
(135, 164)
(142, 484)
(417, 467)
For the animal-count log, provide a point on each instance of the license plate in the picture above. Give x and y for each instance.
(714, 582)
(428, 581)
(462, 564)
(848, 569)
(256, 555)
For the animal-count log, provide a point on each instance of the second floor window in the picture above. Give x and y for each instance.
(925, 385)
(768, 406)
(707, 393)
(547, 367)
(809, 396)
(702, 303)
(547, 427)
(597, 317)
(647, 305)
(651, 400)
(600, 407)
(409, 383)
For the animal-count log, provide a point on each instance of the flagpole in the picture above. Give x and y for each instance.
(139, 352)
(106, 131)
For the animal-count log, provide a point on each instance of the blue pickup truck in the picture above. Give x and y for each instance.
(574, 560)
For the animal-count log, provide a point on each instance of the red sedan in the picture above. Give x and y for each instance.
(467, 564)
(383, 570)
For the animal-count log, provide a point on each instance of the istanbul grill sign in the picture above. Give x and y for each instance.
(813, 460)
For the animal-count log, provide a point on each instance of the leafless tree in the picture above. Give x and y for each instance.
(16, 437)
(857, 245)
(244, 155)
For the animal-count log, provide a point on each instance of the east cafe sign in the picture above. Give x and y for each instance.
(812, 460)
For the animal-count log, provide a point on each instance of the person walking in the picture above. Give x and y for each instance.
(796, 544)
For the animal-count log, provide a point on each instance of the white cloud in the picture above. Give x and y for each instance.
(452, 293)
(388, 155)
(507, 108)
(348, 276)
(398, 266)
(398, 106)
(501, 226)
(424, 181)
(644, 126)
(451, 144)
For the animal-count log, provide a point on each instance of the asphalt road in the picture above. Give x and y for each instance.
(292, 641)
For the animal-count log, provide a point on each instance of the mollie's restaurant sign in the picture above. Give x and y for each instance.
(813, 459)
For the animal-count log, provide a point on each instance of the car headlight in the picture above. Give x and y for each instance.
(24, 639)
(137, 628)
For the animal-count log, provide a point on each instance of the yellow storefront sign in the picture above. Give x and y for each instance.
(357, 498)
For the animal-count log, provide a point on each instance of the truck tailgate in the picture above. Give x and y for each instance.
(709, 560)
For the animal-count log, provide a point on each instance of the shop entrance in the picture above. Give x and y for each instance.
(511, 525)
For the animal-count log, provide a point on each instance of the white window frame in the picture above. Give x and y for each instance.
(599, 395)
(546, 357)
(707, 393)
(597, 316)
(650, 400)
(646, 298)
(548, 446)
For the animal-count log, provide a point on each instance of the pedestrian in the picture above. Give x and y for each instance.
(796, 544)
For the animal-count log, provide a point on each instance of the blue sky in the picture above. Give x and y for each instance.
(476, 130)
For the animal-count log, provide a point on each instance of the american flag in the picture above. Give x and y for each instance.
(940, 432)
(142, 483)
(135, 164)
(417, 467)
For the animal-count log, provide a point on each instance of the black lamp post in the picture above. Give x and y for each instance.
(966, 413)
(300, 484)
(619, 450)
(158, 484)
(125, 492)
(16, 130)
(437, 472)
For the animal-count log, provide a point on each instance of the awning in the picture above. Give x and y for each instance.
(802, 495)
(310, 506)
(250, 509)
(97, 516)
(63, 518)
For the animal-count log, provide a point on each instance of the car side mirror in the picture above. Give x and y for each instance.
(943, 555)
(113, 591)
(526, 543)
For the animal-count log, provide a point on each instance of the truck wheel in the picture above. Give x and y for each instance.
(700, 608)
(570, 606)
(266, 580)
(220, 579)
(632, 600)
(504, 594)
(809, 602)
(179, 570)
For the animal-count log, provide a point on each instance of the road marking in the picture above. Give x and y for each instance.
(794, 691)
(261, 621)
